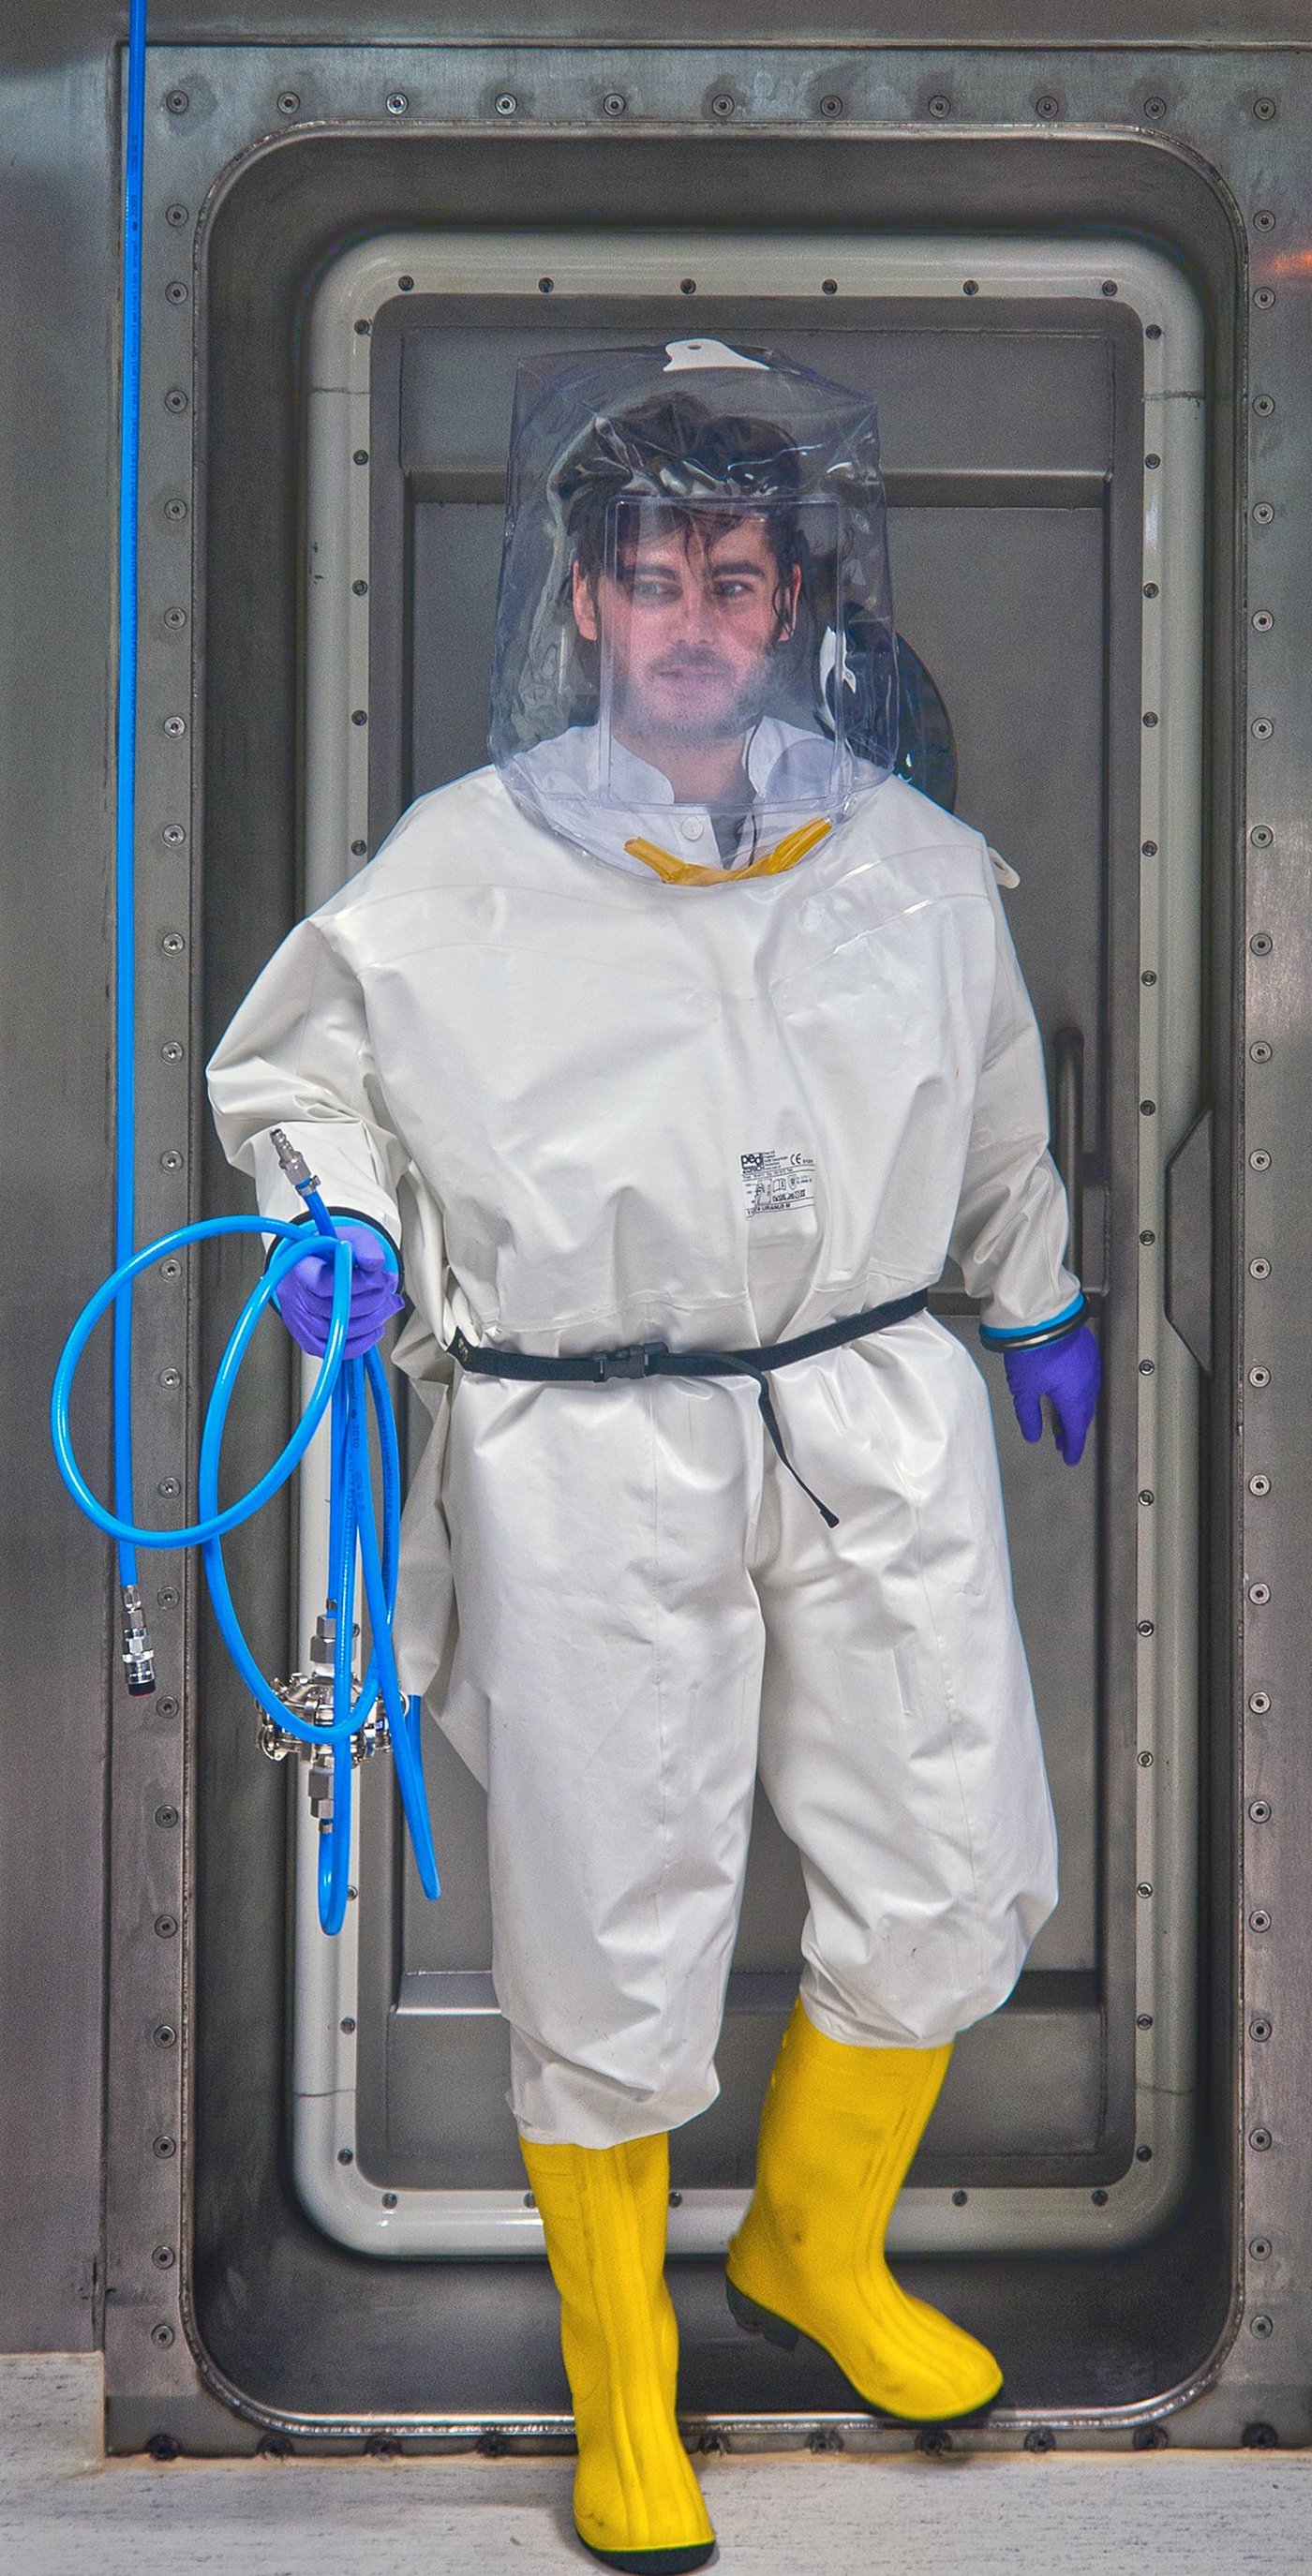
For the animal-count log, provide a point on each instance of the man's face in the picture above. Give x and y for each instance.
(687, 622)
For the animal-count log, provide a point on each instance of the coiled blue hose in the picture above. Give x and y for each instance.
(349, 1387)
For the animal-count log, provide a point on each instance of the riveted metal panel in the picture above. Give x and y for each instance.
(1173, 138)
(56, 450)
(488, 2327)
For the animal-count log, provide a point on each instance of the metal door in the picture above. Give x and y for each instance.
(1041, 412)
(147, 1998)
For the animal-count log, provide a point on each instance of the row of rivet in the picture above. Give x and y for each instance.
(1146, 1625)
(173, 945)
(724, 104)
(1260, 944)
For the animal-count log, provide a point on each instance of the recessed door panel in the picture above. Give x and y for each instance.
(1021, 531)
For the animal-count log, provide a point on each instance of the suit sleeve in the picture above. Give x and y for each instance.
(1012, 1224)
(298, 1056)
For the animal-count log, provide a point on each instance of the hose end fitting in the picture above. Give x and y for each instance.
(295, 1167)
(138, 1653)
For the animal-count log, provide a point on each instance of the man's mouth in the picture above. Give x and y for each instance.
(692, 667)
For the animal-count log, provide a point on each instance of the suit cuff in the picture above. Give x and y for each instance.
(1019, 1337)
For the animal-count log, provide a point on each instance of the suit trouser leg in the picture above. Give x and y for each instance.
(899, 1743)
(609, 1673)
(900, 1750)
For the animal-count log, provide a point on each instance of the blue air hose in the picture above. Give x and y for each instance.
(349, 1387)
(125, 821)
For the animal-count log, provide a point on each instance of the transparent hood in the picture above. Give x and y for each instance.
(695, 659)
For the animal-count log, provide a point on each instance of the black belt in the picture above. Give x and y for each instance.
(656, 1359)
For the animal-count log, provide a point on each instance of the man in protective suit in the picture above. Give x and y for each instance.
(676, 1052)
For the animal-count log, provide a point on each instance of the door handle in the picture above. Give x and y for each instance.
(1068, 1133)
(1189, 1241)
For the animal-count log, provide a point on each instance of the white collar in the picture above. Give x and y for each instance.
(796, 776)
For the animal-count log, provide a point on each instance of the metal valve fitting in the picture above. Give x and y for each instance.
(138, 1653)
(295, 1167)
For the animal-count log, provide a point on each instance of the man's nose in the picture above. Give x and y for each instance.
(698, 615)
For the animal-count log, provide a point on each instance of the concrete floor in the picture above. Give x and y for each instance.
(67, 2511)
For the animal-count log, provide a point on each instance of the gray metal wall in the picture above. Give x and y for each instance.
(1215, 102)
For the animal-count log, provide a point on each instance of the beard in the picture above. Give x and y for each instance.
(694, 699)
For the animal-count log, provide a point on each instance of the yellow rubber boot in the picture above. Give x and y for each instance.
(637, 2503)
(838, 2131)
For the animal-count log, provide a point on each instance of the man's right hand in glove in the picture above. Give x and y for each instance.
(305, 1298)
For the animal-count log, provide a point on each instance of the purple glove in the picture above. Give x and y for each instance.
(1069, 1372)
(305, 1299)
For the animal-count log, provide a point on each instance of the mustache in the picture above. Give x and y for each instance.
(695, 663)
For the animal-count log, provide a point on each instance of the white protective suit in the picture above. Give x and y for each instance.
(597, 1110)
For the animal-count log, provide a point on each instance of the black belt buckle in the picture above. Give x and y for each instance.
(635, 1361)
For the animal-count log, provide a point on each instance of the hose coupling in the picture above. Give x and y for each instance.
(138, 1653)
(294, 1165)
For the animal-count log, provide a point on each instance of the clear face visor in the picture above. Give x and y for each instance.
(695, 645)
(702, 625)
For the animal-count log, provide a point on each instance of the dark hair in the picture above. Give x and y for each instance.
(672, 448)
(710, 469)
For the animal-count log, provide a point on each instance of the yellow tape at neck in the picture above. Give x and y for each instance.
(771, 863)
